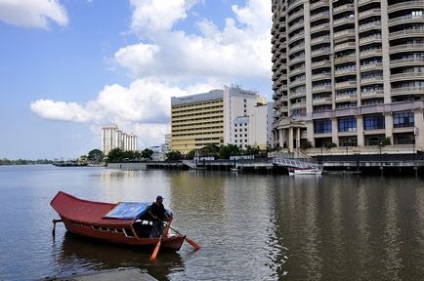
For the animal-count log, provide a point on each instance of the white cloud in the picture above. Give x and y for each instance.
(233, 54)
(151, 16)
(57, 110)
(168, 62)
(143, 108)
(33, 13)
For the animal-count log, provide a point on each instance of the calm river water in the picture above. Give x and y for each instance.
(250, 227)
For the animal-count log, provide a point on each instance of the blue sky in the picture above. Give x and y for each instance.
(69, 67)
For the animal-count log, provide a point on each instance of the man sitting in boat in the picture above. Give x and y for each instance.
(158, 215)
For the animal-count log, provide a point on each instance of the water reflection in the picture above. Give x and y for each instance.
(78, 255)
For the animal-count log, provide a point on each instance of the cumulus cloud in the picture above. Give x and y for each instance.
(33, 13)
(240, 51)
(168, 62)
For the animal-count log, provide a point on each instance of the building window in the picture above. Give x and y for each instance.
(403, 119)
(374, 122)
(322, 126)
(347, 124)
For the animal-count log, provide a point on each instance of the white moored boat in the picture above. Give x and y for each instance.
(304, 171)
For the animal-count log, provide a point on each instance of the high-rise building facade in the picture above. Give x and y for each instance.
(220, 117)
(112, 138)
(348, 72)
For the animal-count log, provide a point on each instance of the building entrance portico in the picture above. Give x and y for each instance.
(287, 133)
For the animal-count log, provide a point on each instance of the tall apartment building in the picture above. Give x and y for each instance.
(112, 138)
(349, 72)
(220, 117)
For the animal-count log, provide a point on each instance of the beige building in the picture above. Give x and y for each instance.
(220, 117)
(112, 138)
(348, 72)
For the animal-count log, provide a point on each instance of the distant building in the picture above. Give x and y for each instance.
(112, 138)
(221, 117)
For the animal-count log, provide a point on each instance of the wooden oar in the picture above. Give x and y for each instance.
(156, 250)
(189, 241)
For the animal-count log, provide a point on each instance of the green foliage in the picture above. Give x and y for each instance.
(190, 155)
(229, 150)
(305, 144)
(95, 155)
(147, 153)
(386, 141)
(174, 155)
(330, 145)
(252, 150)
(116, 155)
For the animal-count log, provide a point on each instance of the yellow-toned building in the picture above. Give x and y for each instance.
(217, 117)
(197, 121)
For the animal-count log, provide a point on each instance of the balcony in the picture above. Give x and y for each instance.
(321, 52)
(372, 94)
(405, 20)
(343, 21)
(344, 8)
(406, 33)
(344, 46)
(348, 34)
(406, 76)
(407, 91)
(369, 13)
(321, 76)
(297, 25)
(365, 2)
(407, 62)
(370, 53)
(370, 26)
(321, 64)
(345, 59)
(406, 6)
(345, 72)
(320, 16)
(320, 40)
(322, 3)
(370, 39)
(321, 27)
(346, 98)
(345, 85)
(372, 66)
(321, 101)
(372, 80)
(297, 71)
(406, 48)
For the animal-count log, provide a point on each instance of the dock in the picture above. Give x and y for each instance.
(127, 274)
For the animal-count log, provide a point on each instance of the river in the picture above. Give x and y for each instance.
(250, 227)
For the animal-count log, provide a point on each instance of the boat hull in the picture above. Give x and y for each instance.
(123, 236)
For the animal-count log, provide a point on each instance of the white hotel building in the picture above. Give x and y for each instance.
(348, 72)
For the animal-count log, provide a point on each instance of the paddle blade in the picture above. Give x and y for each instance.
(155, 251)
(192, 243)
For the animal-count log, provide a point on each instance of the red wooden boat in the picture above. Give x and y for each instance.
(123, 223)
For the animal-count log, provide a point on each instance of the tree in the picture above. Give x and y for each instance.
(147, 153)
(190, 155)
(115, 155)
(95, 155)
(252, 150)
(174, 155)
(229, 150)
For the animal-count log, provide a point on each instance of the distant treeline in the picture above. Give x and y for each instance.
(5, 161)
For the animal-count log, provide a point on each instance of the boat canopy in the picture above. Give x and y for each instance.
(130, 210)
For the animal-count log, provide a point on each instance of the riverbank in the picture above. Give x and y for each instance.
(350, 164)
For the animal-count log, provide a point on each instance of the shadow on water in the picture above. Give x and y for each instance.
(80, 255)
